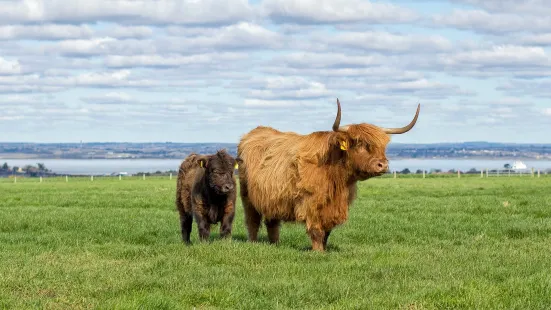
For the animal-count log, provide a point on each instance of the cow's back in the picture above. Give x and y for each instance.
(268, 171)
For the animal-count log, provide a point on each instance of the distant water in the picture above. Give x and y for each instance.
(108, 166)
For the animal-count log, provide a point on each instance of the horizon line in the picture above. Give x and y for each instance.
(209, 142)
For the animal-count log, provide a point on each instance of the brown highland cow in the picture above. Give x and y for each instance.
(206, 190)
(285, 176)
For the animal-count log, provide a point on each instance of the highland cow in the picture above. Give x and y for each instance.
(206, 191)
(285, 176)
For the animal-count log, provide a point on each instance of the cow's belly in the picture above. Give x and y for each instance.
(272, 204)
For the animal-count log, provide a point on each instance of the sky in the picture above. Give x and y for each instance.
(211, 70)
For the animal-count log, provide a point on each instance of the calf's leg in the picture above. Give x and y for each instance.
(186, 220)
(203, 226)
(227, 220)
(183, 205)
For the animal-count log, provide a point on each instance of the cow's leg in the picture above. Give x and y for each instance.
(252, 217)
(327, 232)
(272, 226)
(252, 220)
(317, 235)
(227, 220)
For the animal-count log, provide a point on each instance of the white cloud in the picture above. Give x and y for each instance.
(189, 12)
(109, 98)
(262, 103)
(421, 87)
(511, 102)
(169, 60)
(44, 32)
(482, 21)
(9, 67)
(535, 39)
(126, 32)
(22, 101)
(367, 73)
(327, 60)
(540, 88)
(285, 88)
(103, 79)
(504, 55)
(88, 47)
(335, 12)
(71, 33)
(237, 36)
(494, 62)
(535, 7)
(240, 36)
(547, 111)
(388, 42)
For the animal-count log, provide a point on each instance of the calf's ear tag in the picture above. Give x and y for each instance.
(201, 163)
(344, 145)
(235, 166)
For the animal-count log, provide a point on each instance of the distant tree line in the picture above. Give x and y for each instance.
(157, 173)
(27, 170)
(438, 171)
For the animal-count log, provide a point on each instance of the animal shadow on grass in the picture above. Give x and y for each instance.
(263, 239)
(215, 236)
(290, 244)
(330, 248)
(245, 239)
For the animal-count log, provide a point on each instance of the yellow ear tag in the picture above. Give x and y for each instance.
(344, 145)
(235, 166)
(201, 163)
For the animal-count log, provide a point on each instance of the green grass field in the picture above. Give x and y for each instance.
(471, 243)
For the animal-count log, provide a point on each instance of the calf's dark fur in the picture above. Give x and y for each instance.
(206, 191)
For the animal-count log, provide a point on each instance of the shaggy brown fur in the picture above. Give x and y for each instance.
(206, 191)
(285, 176)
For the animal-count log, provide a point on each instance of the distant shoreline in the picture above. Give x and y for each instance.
(78, 166)
(178, 151)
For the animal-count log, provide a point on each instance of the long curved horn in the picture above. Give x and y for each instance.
(338, 118)
(405, 128)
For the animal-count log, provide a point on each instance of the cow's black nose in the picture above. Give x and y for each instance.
(382, 166)
(226, 188)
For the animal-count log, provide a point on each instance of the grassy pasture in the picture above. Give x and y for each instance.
(410, 243)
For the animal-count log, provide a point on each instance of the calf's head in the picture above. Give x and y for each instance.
(365, 145)
(219, 169)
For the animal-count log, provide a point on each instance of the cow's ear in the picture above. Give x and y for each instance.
(343, 144)
(203, 161)
(341, 141)
(238, 161)
(338, 145)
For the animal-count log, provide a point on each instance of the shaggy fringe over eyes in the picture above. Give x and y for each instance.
(370, 133)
